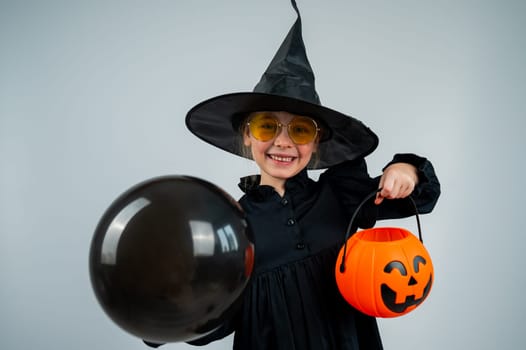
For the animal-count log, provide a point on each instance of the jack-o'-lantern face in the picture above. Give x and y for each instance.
(406, 286)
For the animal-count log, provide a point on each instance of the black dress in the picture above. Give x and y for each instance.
(292, 301)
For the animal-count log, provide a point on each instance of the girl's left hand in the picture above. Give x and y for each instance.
(398, 181)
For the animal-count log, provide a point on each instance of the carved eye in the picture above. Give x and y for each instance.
(417, 261)
(395, 265)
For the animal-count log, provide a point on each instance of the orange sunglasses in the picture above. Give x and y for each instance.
(264, 127)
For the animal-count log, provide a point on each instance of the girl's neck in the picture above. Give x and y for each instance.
(277, 184)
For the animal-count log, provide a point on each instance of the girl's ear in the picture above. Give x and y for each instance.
(246, 137)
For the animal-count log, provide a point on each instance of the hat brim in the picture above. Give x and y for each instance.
(216, 121)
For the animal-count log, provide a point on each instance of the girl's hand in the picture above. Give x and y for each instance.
(398, 181)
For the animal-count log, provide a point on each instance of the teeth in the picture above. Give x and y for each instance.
(281, 159)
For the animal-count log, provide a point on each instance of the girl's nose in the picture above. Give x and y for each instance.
(282, 139)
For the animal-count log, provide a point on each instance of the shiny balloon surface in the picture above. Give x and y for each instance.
(170, 257)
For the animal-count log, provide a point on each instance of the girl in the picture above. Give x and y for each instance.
(297, 224)
(298, 227)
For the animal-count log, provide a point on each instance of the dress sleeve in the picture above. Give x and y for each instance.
(220, 333)
(227, 327)
(425, 194)
(351, 183)
(152, 344)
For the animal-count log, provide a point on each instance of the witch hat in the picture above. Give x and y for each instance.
(286, 85)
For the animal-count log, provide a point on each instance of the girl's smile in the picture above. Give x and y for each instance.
(282, 159)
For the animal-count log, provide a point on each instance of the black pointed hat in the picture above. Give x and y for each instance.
(287, 85)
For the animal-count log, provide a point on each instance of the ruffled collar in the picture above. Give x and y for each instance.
(250, 185)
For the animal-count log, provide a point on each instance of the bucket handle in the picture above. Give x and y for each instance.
(348, 231)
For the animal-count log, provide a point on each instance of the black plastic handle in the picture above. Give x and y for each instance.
(349, 227)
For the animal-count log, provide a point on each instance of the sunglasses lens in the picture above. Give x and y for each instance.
(263, 127)
(302, 130)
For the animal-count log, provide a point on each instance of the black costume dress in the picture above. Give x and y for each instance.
(292, 301)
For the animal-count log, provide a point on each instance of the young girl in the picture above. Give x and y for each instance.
(297, 224)
(298, 227)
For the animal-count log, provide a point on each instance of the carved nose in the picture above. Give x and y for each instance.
(412, 281)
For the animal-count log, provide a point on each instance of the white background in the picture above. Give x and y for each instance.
(93, 96)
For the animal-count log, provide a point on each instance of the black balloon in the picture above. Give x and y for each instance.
(170, 257)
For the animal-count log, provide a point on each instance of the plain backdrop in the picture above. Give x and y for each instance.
(93, 96)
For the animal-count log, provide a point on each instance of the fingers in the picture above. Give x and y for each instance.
(379, 199)
(396, 182)
(398, 188)
(380, 195)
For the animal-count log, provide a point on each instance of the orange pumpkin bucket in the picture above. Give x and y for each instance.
(384, 271)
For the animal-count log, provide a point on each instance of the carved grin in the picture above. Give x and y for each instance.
(389, 297)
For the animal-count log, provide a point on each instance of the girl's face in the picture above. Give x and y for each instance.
(279, 158)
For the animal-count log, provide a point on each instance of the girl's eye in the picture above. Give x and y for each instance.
(267, 126)
(301, 129)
